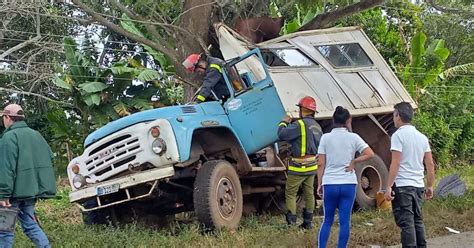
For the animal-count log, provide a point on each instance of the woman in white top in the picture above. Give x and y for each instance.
(336, 178)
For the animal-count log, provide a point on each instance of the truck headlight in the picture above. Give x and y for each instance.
(79, 181)
(158, 146)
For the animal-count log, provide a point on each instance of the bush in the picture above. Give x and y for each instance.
(445, 115)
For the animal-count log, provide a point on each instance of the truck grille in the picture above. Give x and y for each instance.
(112, 154)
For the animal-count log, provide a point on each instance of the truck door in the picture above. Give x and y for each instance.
(254, 107)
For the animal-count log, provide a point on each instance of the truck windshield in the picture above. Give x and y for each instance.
(345, 55)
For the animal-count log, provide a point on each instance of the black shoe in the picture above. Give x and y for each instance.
(291, 219)
(307, 220)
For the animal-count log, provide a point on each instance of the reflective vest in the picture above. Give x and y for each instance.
(305, 164)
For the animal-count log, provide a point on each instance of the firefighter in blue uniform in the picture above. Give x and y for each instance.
(304, 135)
(211, 69)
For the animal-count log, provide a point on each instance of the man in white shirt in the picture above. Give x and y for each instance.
(410, 149)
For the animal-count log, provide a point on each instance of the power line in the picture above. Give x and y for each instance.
(103, 15)
(64, 36)
(79, 47)
(115, 77)
(98, 67)
(434, 74)
(58, 74)
(128, 43)
(143, 52)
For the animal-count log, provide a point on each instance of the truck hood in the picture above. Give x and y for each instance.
(149, 115)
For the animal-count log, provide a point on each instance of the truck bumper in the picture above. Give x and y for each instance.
(124, 183)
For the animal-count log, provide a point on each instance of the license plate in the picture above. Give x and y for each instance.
(108, 189)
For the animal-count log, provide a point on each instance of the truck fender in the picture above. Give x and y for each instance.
(217, 141)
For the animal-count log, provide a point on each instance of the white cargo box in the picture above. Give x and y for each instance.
(337, 66)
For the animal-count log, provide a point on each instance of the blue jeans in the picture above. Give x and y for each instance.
(28, 222)
(340, 196)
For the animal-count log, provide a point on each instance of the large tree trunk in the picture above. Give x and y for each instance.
(197, 20)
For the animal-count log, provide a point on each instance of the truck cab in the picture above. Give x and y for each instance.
(223, 158)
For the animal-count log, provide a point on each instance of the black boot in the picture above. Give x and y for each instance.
(307, 220)
(291, 218)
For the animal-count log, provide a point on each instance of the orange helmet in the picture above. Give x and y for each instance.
(191, 62)
(308, 103)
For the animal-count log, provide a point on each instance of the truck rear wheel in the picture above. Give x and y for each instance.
(217, 195)
(371, 177)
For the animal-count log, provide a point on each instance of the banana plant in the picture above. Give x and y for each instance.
(81, 77)
(303, 16)
(82, 81)
(427, 63)
(105, 94)
(459, 70)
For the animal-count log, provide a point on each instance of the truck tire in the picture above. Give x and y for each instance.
(371, 177)
(217, 196)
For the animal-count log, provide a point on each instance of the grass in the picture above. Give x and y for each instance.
(63, 225)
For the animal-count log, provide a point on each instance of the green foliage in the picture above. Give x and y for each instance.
(446, 117)
(459, 70)
(164, 62)
(456, 31)
(100, 94)
(426, 66)
(302, 17)
(64, 137)
(382, 32)
(93, 87)
(81, 77)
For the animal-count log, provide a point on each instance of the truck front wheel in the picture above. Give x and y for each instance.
(371, 177)
(96, 217)
(218, 195)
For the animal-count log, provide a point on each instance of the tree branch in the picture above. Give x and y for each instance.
(190, 9)
(168, 52)
(151, 28)
(36, 95)
(450, 10)
(27, 42)
(326, 19)
(187, 82)
(19, 46)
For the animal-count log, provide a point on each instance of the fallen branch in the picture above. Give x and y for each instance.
(187, 82)
(325, 19)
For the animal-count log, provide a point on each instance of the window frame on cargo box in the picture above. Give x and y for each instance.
(277, 53)
(343, 58)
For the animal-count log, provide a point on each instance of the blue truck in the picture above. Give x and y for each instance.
(221, 159)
